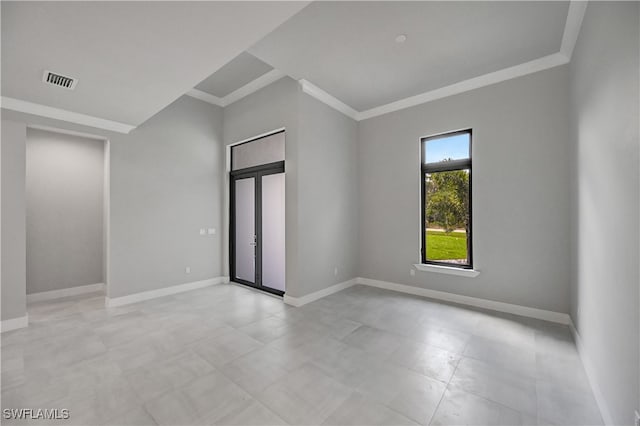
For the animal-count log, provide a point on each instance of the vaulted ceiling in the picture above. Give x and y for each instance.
(132, 59)
(349, 49)
(242, 70)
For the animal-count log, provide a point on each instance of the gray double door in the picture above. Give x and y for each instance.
(257, 243)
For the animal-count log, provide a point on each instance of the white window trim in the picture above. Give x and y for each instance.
(450, 270)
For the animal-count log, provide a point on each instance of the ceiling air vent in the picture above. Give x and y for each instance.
(59, 80)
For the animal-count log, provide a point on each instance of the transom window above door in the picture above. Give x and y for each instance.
(264, 150)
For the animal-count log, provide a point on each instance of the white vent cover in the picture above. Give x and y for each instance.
(59, 80)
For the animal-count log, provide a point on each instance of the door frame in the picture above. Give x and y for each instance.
(106, 197)
(256, 172)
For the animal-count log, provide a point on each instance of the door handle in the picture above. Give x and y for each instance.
(252, 244)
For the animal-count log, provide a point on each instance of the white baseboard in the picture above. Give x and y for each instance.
(590, 370)
(65, 292)
(166, 291)
(524, 311)
(14, 323)
(299, 301)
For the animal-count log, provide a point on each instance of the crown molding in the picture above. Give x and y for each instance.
(253, 86)
(575, 15)
(205, 97)
(61, 114)
(530, 67)
(540, 64)
(249, 88)
(324, 97)
(66, 132)
(572, 26)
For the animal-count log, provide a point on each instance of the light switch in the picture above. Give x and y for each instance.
(211, 231)
(203, 231)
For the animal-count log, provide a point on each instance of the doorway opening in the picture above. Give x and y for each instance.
(67, 214)
(257, 213)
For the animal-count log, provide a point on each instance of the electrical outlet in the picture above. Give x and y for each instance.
(187, 270)
(203, 231)
(637, 420)
(211, 231)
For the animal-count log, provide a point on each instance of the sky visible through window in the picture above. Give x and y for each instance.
(453, 147)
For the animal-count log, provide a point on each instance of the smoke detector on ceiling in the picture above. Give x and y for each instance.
(59, 80)
(401, 38)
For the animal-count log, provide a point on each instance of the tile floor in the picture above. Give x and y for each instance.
(229, 355)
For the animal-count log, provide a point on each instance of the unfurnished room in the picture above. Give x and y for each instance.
(320, 213)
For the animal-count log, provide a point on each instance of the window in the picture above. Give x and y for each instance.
(446, 200)
(256, 152)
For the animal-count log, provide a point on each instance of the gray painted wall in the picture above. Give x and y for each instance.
(328, 195)
(165, 185)
(321, 185)
(64, 193)
(13, 274)
(520, 191)
(270, 108)
(606, 247)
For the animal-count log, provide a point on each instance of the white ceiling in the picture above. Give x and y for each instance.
(240, 71)
(348, 48)
(134, 58)
(131, 58)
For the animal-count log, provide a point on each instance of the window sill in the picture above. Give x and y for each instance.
(447, 270)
